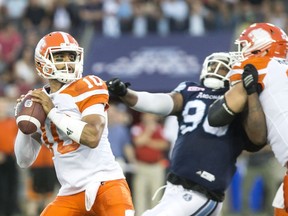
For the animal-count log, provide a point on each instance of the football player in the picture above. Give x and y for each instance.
(76, 133)
(263, 46)
(204, 157)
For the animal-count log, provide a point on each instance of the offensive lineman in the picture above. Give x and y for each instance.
(263, 45)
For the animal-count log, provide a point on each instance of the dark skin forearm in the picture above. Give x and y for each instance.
(130, 98)
(236, 98)
(254, 121)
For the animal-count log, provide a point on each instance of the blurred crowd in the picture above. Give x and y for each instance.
(24, 22)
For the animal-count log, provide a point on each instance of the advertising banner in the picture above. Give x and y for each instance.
(153, 63)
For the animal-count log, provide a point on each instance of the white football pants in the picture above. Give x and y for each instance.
(181, 202)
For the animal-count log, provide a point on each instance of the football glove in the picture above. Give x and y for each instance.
(250, 79)
(117, 87)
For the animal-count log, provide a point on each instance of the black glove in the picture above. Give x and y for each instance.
(117, 87)
(250, 79)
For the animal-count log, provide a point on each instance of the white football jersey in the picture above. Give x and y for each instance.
(273, 76)
(78, 165)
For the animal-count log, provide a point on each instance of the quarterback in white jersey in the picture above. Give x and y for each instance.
(76, 132)
(264, 47)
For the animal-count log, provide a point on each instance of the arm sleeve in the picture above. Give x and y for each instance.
(219, 113)
(157, 103)
(26, 149)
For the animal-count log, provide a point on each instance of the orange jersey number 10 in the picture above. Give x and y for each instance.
(61, 148)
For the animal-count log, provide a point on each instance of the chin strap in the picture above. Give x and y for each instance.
(213, 83)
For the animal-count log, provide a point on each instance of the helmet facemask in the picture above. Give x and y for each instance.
(49, 67)
(215, 70)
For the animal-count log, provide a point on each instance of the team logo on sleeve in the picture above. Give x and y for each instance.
(195, 88)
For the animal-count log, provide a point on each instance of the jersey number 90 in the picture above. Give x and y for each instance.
(193, 115)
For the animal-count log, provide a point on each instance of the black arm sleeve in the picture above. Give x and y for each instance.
(219, 113)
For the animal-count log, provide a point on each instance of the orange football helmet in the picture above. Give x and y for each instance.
(262, 39)
(215, 69)
(46, 65)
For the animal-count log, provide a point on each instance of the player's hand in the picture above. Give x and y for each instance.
(117, 87)
(41, 97)
(250, 79)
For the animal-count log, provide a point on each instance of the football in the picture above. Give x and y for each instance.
(29, 115)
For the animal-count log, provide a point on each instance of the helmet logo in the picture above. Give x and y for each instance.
(68, 45)
(258, 33)
(43, 44)
(283, 35)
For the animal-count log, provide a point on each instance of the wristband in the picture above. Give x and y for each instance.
(71, 127)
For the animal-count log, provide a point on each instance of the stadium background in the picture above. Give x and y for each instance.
(141, 41)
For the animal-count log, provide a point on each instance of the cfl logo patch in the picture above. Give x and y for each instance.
(28, 103)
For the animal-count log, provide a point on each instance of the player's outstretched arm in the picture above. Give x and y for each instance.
(118, 88)
(157, 103)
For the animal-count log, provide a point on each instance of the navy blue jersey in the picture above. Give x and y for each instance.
(203, 154)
